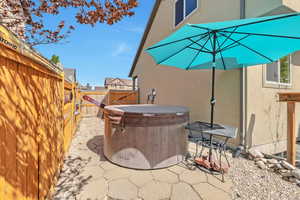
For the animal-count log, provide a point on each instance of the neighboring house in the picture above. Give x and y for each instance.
(86, 87)
(118, 84)
(246, 98)
(100, 89)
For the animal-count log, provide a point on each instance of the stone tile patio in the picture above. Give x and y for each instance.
(88, 175)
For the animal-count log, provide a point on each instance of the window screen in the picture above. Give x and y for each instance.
(279, 71)
(179, 12)
(272, 72)
(190, 6)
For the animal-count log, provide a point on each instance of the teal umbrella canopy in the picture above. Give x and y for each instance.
(230, 44)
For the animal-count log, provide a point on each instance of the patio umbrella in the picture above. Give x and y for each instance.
(229, 45)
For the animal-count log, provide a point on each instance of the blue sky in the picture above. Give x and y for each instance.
(101, 51)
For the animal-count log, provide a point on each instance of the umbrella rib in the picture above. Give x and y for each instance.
(199, 50)
(198, 44)
(227, 38)
(253, 50)
(196, 26)
(211, 42)
(221, 55)
(197, 54)
(263, 34)
(232, 44)
(257, 22)
(161, 45)
(179, 51)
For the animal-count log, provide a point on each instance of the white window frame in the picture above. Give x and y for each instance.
(184, 10)
(278, 84)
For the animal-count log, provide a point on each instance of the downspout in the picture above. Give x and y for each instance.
(243, 120)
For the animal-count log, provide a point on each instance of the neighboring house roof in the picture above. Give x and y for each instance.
(100, 88)
(118, 81)
(70, 74)
(145, 35)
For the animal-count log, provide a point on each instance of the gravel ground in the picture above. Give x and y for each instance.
(252, 183)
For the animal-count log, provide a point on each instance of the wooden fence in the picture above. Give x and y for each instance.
(69, 113)
(33, 135)
(111, 97)
(86, 108)
(121, 97)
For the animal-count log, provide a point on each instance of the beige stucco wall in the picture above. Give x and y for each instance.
(256, 8)
(191, 88)
(266, 118)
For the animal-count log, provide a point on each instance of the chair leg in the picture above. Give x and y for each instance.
(224, 152)
(222, 171)
(197, 143)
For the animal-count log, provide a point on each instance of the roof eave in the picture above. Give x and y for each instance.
(145, 35)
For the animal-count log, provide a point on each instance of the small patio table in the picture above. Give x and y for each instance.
(207, 136)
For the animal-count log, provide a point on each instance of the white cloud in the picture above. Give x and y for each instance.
(121, 49)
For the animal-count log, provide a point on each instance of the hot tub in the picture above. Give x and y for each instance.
(145, 136)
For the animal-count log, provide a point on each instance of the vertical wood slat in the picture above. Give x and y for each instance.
(2, 131)
(22, 137)
(291, 138)
(32, 159)
(11, 188)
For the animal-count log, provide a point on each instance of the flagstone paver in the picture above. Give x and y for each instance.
(141, 178)
(97, 189)
(184, 191)
(165, 176)
(155, 190)
(209, 192)
(87, 174)
(123, 189)
(193, 177)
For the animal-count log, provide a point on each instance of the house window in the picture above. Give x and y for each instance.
(279, 72)
(184, 8)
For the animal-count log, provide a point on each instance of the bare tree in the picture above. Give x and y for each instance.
(26, 17)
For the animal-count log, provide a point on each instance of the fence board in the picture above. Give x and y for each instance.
(32, 136)
(121, 97)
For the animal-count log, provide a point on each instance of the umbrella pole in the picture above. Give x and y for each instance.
(212, 104)
(213, 99)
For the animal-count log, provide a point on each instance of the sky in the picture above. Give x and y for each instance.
(101, 51)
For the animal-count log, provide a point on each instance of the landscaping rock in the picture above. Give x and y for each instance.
(296, 173)
(293, 180)
(282, 171)
(255, 153)
(261, 164)
(264, 160)
(271, 165)
(287, 165)
(278, 166)
(286, 174)
(272, 161)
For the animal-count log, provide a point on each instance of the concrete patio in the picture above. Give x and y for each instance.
(88, 175)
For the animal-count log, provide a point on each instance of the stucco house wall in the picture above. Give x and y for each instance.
(191, 88)
(265, 116)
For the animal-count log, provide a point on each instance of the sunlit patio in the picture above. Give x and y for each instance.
(88, 175)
